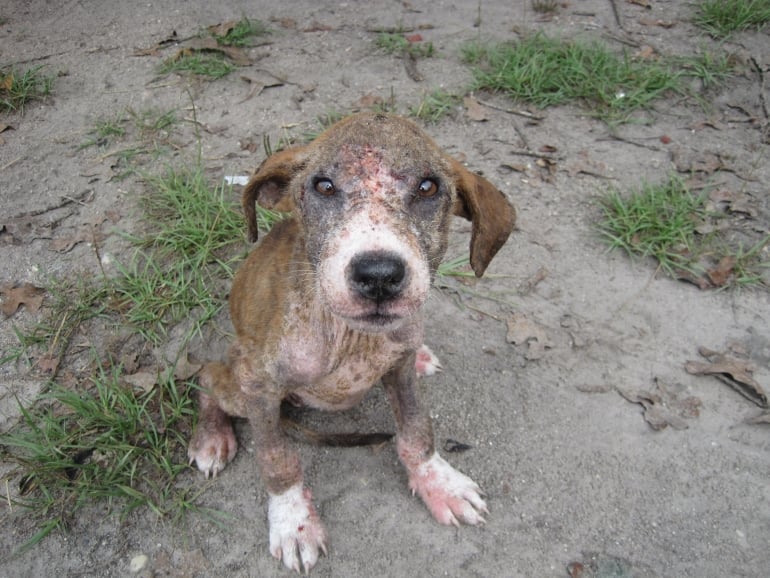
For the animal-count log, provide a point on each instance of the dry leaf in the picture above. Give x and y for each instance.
(7, 83)
(14, 296)
(722, 272)
(144, 380)
(369, 101)
(642, 3)
(735, 372)
(223, 28)
(524, 331)
(645, 52)
(763, 417)
(185, 369)
(49, 363)
(662, 406)
(475, 111)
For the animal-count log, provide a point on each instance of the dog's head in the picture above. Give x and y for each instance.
(375, 195)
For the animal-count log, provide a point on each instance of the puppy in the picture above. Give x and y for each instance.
(328, 304)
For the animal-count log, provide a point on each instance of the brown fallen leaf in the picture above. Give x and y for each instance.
(763, 417)
(7, 82)
(662, 406)
(223, 28)
(14, 296)
(735, 372)
(522, 330)
(697, 162)
(722, 272)
(49, 363)
(475, 110)
(144, 380)
(257, 85)
(185, 369)
(370, 101)
(735, 202)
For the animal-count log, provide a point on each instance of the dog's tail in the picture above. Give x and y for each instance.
(336, 440)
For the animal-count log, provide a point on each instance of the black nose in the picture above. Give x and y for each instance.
(377, 276)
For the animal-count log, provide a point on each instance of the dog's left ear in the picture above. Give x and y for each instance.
(486, 207)
(269, 186)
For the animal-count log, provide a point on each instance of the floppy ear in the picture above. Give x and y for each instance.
(269, 186)
(486, 207)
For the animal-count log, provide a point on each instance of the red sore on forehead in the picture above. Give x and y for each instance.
(368, 164)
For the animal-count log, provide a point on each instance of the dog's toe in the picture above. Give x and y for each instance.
(212, 450)
(297, 535)
(451, 496)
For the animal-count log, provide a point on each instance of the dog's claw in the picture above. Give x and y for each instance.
(452, 497)
(297, 535)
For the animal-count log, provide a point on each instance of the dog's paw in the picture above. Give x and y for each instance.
(426, 363)
(212, 447)
(297, 535)
(452, 497)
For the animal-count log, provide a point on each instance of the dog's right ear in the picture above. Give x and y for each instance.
(270, 185)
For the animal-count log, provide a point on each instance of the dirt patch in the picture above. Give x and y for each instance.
(532, 381)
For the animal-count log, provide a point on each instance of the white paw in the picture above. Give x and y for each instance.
(426, 363)
(452, 497)
(297, 535)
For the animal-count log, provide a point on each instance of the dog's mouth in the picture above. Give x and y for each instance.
(377, 321)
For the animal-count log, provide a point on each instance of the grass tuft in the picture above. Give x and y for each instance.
(721, 18)
(19, 88)
(242, 32)
(435, 106)
(211, 65)
(665, 221)
(397, 44)
(546, 72)
(106, 441)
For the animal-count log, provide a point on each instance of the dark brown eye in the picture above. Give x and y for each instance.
(325, 187)
(427, 188)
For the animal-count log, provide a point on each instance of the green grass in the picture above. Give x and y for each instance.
(547, 72)
(242, 33)
(721, 18)
(107, 442)
(397, 44)
(211, 65)
(545, 6)
(435, 106)
(104, 440)
(662, 221)
(193, 231)
(105, 131)
(20, 87)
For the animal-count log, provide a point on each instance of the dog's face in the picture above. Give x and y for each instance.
(375, 196)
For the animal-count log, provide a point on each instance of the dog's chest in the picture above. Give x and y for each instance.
(330, 366)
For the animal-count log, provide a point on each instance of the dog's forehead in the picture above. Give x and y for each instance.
(388, 141)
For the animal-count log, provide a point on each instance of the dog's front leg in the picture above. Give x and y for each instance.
(296, 532)
(452, 497)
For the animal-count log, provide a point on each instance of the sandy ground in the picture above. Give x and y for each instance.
(573, 472)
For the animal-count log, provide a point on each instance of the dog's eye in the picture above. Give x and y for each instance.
(427, 188)
(325, 187)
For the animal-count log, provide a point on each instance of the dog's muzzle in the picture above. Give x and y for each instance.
(377, 277)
